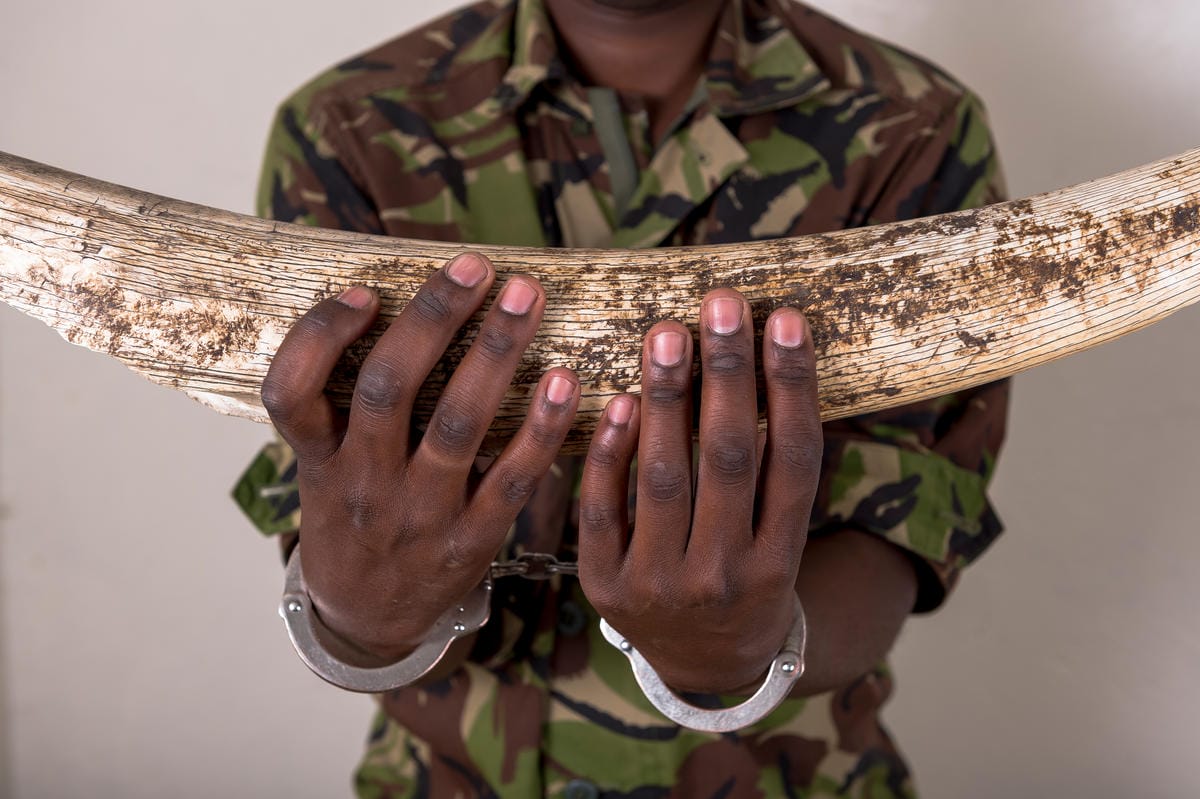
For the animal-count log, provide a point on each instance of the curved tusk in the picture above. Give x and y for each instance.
(199, 299)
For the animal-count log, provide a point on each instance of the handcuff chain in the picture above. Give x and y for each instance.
(532, 566)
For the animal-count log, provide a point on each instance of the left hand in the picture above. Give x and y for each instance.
(703, 583)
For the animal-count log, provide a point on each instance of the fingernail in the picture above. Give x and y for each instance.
(667, 348)
(559, 390)
(620, 410)
(724, 315)
(466, 270)
(357, 297)
(517, 298)
(787, 329)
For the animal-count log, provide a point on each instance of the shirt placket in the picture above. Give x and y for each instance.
(689, 167)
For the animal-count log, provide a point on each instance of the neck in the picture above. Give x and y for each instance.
(652, 48)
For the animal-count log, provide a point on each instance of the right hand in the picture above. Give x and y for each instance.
(397, 526)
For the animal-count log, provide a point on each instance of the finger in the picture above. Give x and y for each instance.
(792, 460)
(604, 493)
(470, 400)
(391, 375)
(511, 480)
(728, 472)
(293, 391)
(664, 474)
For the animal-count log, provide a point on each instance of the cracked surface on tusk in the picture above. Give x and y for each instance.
(199, 299)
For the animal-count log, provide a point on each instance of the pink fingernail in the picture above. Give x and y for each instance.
(724, 315)
(466, 270)
(667, 348)
(559, 390)
(620, 410)
(358, 297)
(517, 298)
(787, 329)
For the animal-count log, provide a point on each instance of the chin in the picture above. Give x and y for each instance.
(641, 5)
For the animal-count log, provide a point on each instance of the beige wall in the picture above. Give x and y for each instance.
(140, 654)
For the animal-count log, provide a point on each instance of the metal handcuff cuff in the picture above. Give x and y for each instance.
(469, 615)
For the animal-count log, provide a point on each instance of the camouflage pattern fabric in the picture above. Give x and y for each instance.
(473, 129)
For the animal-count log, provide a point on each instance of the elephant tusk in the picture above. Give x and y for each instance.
(199, 299)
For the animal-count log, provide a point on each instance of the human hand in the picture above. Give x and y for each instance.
(397, 526)
(703, 584)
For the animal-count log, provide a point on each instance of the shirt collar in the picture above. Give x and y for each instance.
(535, 56)
(756, 63)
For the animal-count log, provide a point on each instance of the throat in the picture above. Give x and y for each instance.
(654, 51)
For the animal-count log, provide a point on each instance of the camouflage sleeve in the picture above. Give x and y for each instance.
(918, 475)
(267, 491)
(302, 181)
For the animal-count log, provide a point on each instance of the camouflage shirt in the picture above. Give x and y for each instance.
(473, 129)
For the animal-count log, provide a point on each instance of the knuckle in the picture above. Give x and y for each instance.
(433, 304)
(457, 556)
(321, 319)
(361, 509)
(803, 455)
(730, 459)
(728, 360)
(666, 394)
(599, 516)
(515, 485)
(545, 435)
(495, 343)
(652, 588)
(665, 481)
(279, 399)
(454, 431)
(714, 589)
(380, 388)
(793, 373)
(603, 457)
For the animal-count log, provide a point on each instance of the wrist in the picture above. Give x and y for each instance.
(372, 620)
(729, 678)
(785, 669)
(338, 661)
(356, 647)
(727, 665)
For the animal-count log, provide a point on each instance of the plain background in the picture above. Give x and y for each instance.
(140, 652)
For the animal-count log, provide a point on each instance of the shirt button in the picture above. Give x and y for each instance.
(571, 618)
(581, 789)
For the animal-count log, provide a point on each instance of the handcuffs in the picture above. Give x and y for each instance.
(471, 614)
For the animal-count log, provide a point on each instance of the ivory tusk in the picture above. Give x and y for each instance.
(199, 299)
